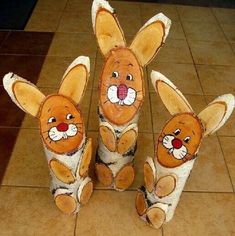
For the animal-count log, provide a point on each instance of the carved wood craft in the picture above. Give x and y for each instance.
(62, 131)
(176, 150)
(121, 90)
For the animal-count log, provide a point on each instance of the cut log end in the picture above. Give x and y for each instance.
(126, 141)
(86, 158)
(140, 204)
(62, 172)
(66, 203)
(86, 193)
(124, 178)
(108, 138)
(155, 217)
(148, 177)
(104, 174)
(165, 186)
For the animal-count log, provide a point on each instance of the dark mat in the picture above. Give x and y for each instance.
(14, 14)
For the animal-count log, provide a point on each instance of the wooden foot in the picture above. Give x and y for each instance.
(148, 177)
(86, 159)
(104, 174)
(140, 204)
(66, 203)
(62, 172)
(86, 193)
(155, 217)
(125, 177)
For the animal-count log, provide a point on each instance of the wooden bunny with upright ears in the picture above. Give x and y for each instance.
(121, 90)
(62, 131)
(176, 150)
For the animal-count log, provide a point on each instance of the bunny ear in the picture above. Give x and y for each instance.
(75, 79)
(173, 99)
(150, 38)
(216, 113)
(24, 94)
(106, 26)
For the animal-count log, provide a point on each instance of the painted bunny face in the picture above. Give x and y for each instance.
(121, 86)
(61, 124)
(179, 140)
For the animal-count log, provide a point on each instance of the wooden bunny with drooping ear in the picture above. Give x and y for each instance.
(121, 90)
(62, 131)
(176, 150)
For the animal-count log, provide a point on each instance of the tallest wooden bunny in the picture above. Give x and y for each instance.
(121, 90)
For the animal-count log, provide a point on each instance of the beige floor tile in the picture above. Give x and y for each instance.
(93, 122)
(212, 53)
(203, 214)
(227, 144)
(53, 70)
(80, 7)
(31, 211)
(43, 21)
(184, 76)
(130, 24)
(217, 80)
(150, 9)
(126, 8)
(176, 31)
(224, 15)
(209, 173)
(206, 31)
(145, 122)
(199, 14)
(229, 31)
(145, 148)
(112, 213)
(176, 51)
(28, 165)
(75, 22)
(233, 47)
(50, 5)
(73, 45)
(98, 69)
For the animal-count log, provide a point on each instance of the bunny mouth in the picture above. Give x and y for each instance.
(121, 95)
(62, 131)
(175, 147)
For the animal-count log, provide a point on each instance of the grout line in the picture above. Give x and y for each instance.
(191, 56)
(220, 26)
(23, 186)
(62, 12)
(230, 178)
(75, 226)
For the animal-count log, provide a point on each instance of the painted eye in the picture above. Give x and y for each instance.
(52, 119)
(177, 131)
(129, 77)
(115, 74)
(187, 139)
(69, 116)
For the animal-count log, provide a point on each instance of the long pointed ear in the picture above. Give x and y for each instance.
(106, 27)
(75, 79)
(173, 99)
(216, 113)
(150, 38)
(24, 94)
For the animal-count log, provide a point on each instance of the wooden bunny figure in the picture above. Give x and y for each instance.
(176, 150)
(62, 131)
(121, 91)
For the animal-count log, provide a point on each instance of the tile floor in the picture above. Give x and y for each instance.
(198, 57)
